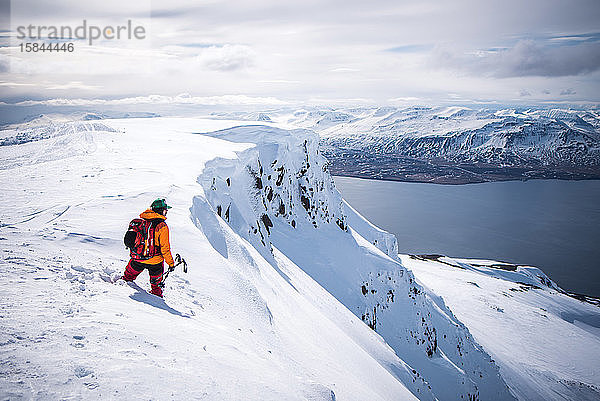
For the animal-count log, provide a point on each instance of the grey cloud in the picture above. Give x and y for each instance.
(67, 10)
(409, 48)
(4, 64)
(389, 23)
(524, 92)
(526, 58)
(227, 58)
(567, 92)
(4, 14)
(176, 13)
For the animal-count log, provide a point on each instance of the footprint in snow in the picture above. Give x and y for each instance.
(82, 371)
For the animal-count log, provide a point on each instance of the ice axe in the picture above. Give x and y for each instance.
(178, 261)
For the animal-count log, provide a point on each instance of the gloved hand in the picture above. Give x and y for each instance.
(171, 268)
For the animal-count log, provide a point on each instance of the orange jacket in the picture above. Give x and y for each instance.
(161, 238)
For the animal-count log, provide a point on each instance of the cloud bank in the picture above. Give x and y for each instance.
(158, 100)
(525, 59)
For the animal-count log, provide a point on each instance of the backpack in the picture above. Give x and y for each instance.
(139, 238)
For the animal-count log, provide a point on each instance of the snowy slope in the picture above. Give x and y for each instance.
(279, 196)
(546, 343)
(232, 328)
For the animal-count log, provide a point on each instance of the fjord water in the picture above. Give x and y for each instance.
(550, 224)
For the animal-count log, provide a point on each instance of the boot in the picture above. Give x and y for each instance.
(154, 282)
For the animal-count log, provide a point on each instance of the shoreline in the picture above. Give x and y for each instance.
(455, 182)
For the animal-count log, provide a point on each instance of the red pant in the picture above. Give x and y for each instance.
(134, 268)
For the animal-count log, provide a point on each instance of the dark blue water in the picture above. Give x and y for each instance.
(550, 224)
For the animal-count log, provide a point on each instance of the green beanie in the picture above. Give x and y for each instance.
(159, 204)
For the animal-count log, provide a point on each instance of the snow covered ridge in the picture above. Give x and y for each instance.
(272, 183)
(44, 139)
(36, 132)
(279, 196)
(278, 184)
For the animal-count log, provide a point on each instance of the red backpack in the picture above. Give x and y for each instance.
(139, 238)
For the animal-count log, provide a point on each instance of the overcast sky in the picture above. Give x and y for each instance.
(328, 52)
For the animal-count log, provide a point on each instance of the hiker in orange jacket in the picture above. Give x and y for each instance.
(157, 214)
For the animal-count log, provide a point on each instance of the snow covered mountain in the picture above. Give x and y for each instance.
(291, 294)
(454, 144)
(457, 144)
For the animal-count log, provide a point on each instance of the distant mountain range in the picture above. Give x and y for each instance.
(456, 145)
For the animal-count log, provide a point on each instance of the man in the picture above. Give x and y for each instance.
(157, 214)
